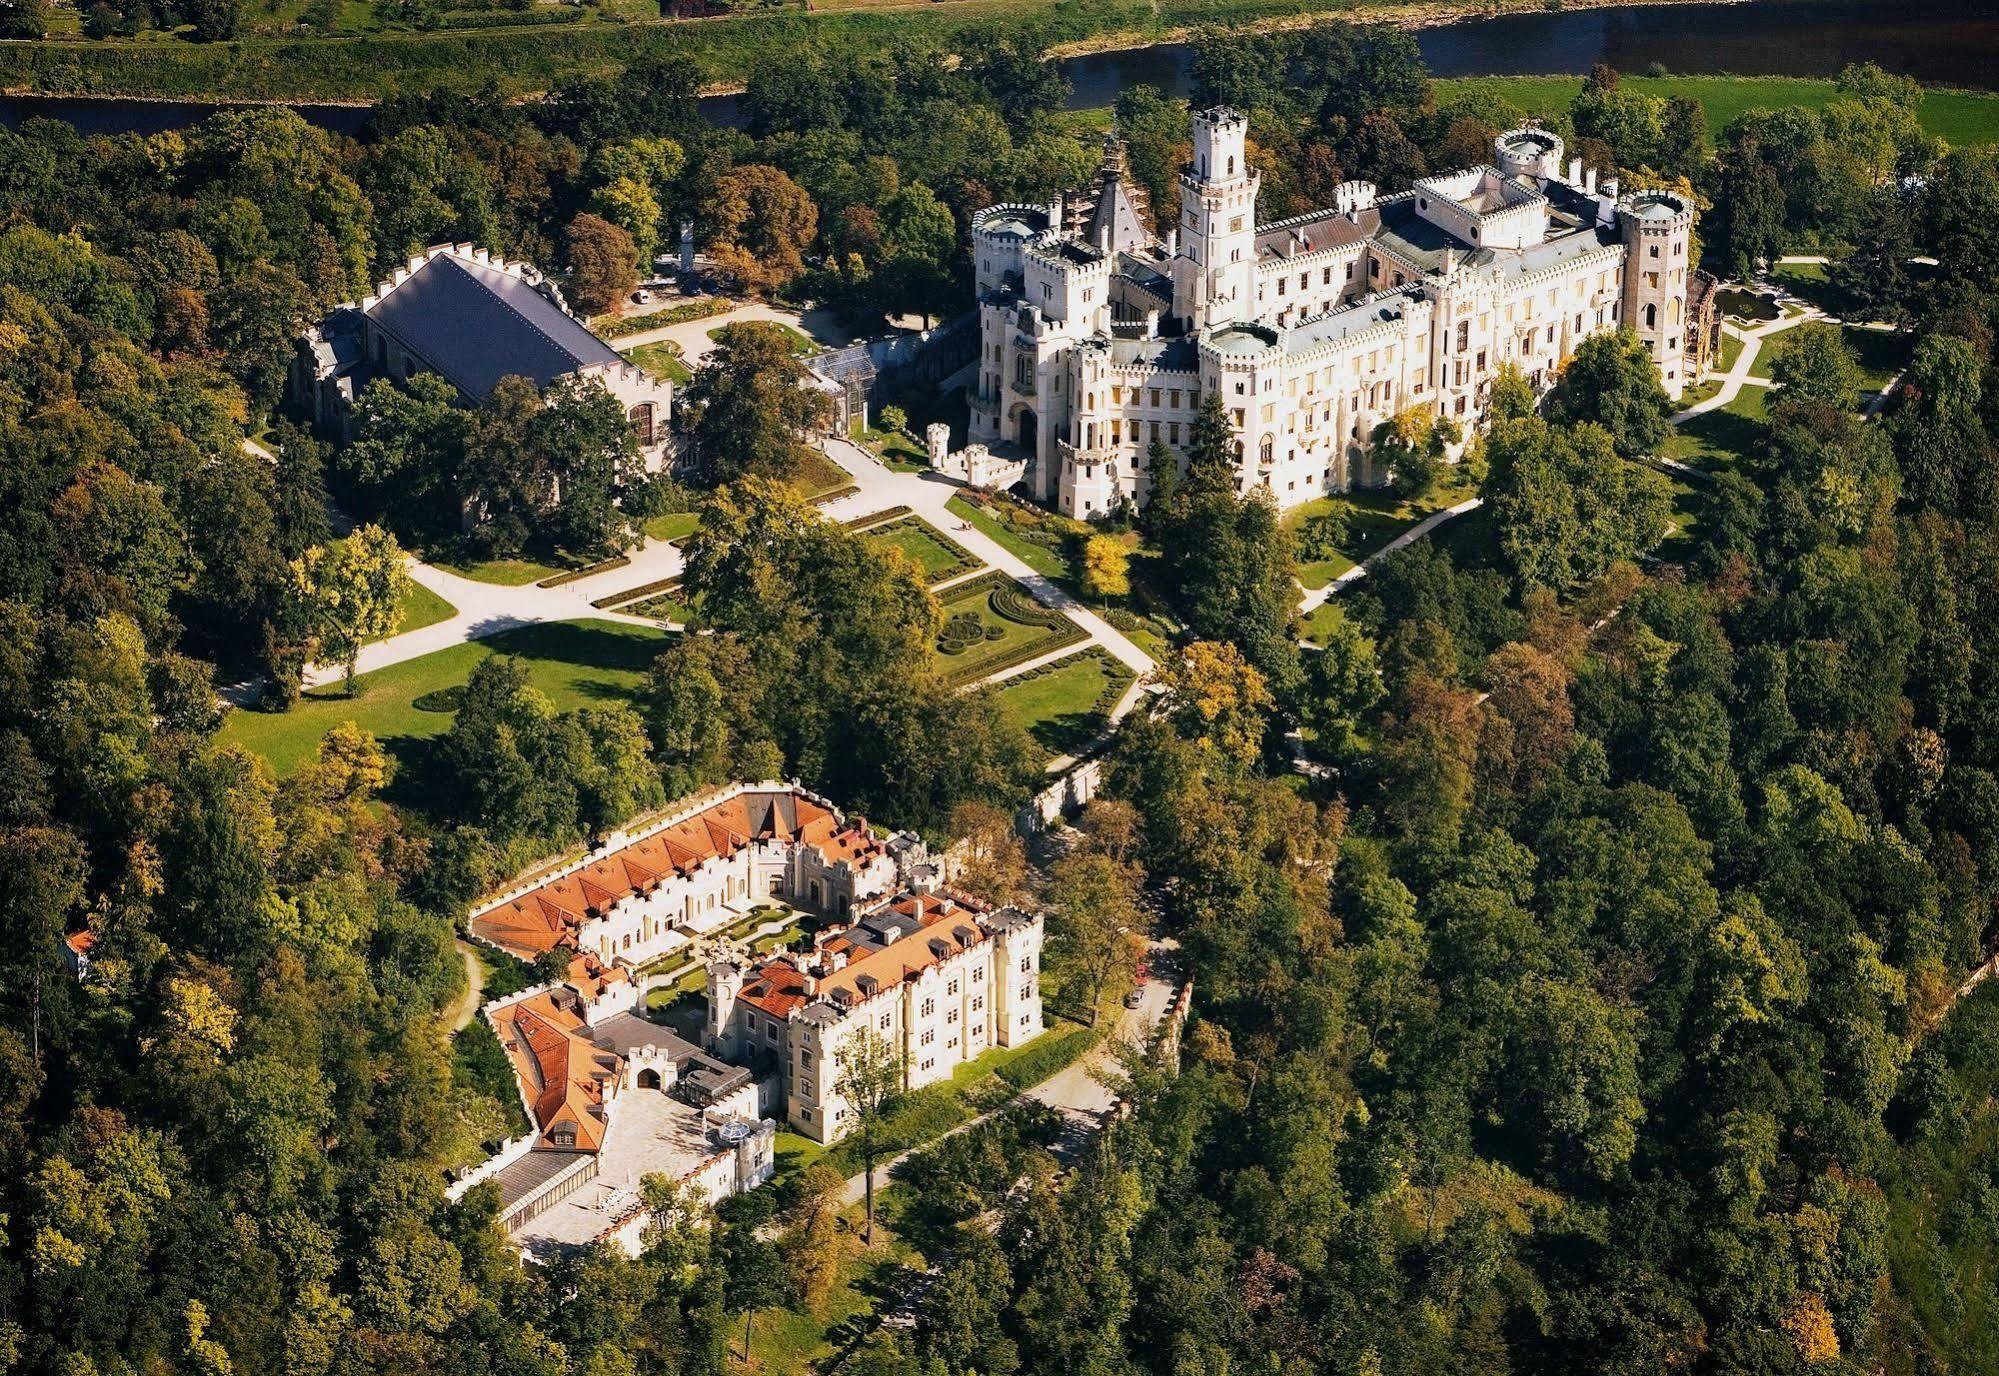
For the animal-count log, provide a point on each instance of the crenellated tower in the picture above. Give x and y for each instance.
(1214, 274)
(1658, 229)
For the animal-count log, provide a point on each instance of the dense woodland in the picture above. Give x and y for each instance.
(1592, 1013)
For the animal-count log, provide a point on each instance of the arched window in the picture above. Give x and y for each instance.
(1651, 315)
(1267, 451)
(1023, 373)
(1231, 164)
(641, 417)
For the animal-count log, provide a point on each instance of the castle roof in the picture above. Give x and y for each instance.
(476, 322)
(547, 916)
(902, 938)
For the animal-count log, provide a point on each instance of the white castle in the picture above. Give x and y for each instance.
(1098, 337)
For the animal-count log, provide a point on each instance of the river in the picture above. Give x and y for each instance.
(1949, 43)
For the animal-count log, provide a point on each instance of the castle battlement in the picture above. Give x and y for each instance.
(1311, 329)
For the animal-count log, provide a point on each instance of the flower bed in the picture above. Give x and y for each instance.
(673, 315)
(616, 561)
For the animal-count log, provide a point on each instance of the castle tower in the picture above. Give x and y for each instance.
(1657, 228)
(1214, 276)
(725, 982)
(1529, 151)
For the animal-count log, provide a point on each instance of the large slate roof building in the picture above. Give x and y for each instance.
(472, 318)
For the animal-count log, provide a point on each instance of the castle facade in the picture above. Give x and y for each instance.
(1099, 336)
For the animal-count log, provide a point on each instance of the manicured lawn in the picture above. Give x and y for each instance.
(1722, 437)
(992, 637)
(673, 526)
(819, 476)
(1375, 516)
(802, 344)
(1729, 353)
(792, 1342)
(1065, 705)
(898, 451)
(1044, 556)
(662, 359)
(508, 573)
(576, 663)
(1882, 354)
(670, 605)
(421, 607)
(939, 556)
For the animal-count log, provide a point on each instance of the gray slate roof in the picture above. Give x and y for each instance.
(476, 324)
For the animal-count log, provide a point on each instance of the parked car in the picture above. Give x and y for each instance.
(641, 296)
(1134, 998)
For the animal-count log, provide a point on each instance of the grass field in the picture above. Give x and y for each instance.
(673, 526)
(1959, 117)
(1375, 516)
(1721, 438)
(939, 556)
(662, 360)
(1044, 556)
(576, 663)
(1065, 705)
(992, 612)
(421, 607)
(508, 573)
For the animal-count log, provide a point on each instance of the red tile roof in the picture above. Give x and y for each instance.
(547, 916)
(558, 1067)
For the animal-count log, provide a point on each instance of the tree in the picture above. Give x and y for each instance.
(349, 593)
(748, 409)
(870, 1084)
(992, 862)
(1875, 277)
(603, 263)
(1106, 567)
(762, 223)
(753, 1269)
(814, 1244)
(1094, 903)
(1812, 363)
(1566, 505)
(1413, 446)
(1611, 382)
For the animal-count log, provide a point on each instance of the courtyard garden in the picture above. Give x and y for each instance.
(992, 623)
(663, 360)
(937, 554)
(1065, 705)
(1041, 539)
(576, 663)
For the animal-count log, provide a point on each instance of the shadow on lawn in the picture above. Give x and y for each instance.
(1726, 439)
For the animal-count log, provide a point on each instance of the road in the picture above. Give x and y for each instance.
(487, 609)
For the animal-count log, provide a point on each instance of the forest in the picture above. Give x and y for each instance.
(1592, 1006)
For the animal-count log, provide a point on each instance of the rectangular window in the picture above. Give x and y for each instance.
(929, 1007)
(927, 1038)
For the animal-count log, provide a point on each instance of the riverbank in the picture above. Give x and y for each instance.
(529, 59)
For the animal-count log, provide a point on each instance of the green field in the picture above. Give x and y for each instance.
(1959, 117)
(576, 663)
(1065, 705)
(525, 56)
(1374, 517)
(674, 525)
(937, 554)
(1723, 437)
(421, 607)
(662, 360)
(1041, 549)
(992, 622)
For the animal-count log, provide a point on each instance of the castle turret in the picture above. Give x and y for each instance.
(1214, 276)
(1529, 151)
(1657, 228)
(725, 984)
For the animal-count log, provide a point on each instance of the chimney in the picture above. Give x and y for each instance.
(1589, 180)
(1575, 170)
